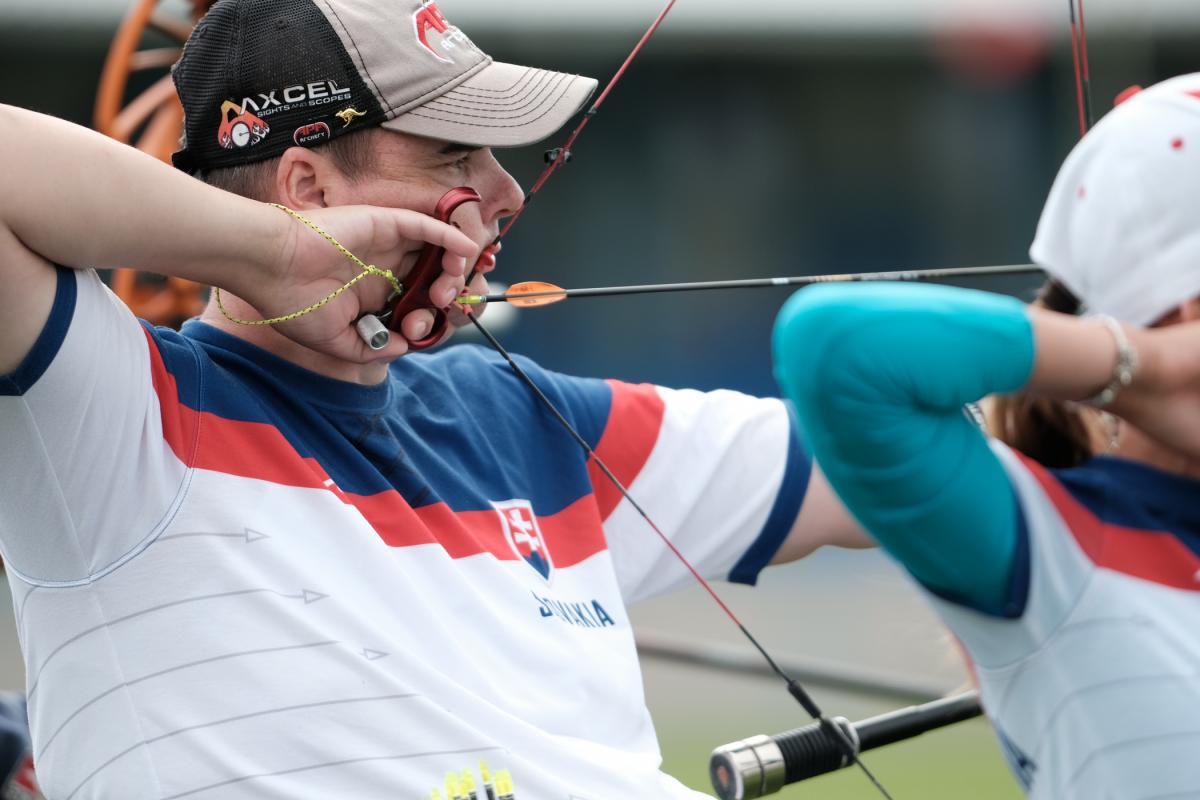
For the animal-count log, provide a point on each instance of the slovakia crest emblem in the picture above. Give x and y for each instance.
(521, 529)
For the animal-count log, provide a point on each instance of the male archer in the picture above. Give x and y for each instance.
(266, 561)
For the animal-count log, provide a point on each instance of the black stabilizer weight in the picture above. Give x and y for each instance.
(762, 765)
(723, 773)
(813, 750)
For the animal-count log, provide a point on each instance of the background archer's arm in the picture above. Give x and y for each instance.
(878, 375)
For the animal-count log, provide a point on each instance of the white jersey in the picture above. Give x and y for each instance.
(1094, 684)
(237, 579)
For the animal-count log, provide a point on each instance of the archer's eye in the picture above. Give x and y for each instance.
(461, 163)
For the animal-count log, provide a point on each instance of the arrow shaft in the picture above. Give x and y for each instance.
(762, 283)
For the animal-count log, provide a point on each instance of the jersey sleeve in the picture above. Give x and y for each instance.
(87, 476)
(720, 473)
(1051, 571)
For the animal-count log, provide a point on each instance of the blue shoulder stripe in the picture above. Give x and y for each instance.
(783, 514)
(49, 341)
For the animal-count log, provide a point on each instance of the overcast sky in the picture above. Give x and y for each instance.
(741, 16)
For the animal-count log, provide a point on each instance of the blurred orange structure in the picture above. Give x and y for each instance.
(152, 121)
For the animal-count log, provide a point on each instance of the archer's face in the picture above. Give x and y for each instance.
(414, 172)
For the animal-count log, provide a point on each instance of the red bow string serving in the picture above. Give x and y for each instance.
(1083, 77)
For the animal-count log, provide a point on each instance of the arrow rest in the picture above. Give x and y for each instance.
(552, 156)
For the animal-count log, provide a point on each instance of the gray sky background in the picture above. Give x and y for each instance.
(887, 17)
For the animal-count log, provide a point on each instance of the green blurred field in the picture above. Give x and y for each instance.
(843, 607)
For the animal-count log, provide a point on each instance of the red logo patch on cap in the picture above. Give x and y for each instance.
(312, 135)
(239, 128)
(428, 20)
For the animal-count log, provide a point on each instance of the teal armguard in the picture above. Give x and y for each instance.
(878, 375)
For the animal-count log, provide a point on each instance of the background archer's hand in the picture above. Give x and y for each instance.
(306, 268)
(1164, 399)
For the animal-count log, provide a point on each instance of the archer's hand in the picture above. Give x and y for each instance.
(1164, 399)
(306, 268)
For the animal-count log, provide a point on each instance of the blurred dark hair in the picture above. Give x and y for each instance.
(1054, 433)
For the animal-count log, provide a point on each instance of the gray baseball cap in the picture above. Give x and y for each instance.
(260, 76)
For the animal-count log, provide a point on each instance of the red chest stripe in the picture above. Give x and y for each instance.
(1156, 556)
(633, 427)
(259, 451)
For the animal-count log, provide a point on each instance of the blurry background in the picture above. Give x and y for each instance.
(780, 137)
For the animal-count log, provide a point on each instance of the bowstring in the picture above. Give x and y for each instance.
(562, 154)
(794, 687)
(556, 159)
(559, 157)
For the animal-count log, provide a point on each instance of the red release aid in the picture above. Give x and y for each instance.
(421, 277)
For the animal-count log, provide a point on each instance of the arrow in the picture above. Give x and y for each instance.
(532, 294)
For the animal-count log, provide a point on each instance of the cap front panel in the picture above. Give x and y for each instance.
(503, 105)
(408, 52)
(514, 95)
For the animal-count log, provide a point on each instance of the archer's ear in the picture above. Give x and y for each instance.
(305, 178)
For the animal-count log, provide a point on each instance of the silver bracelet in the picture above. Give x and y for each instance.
(1123, 371)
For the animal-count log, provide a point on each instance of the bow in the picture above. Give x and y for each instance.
(555, 159)
(842, 741)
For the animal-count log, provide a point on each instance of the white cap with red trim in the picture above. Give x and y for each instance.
(1121, 228)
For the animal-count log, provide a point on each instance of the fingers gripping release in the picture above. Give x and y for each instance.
(375, 330)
